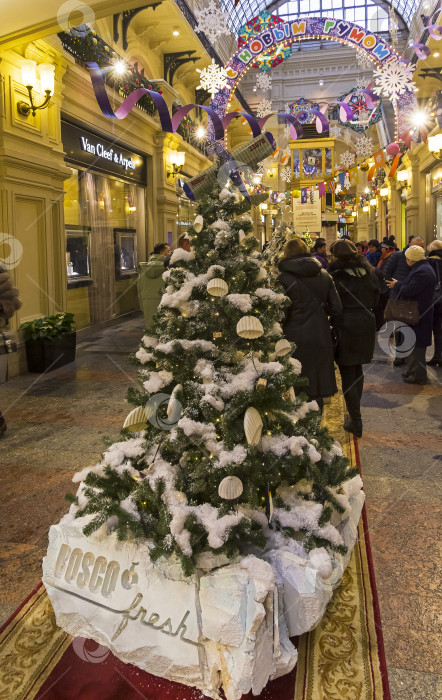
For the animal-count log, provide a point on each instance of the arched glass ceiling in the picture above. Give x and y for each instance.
(367, 13)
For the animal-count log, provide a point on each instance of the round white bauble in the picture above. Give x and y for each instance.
(252, 426)
(137, 419)
(231, 487)
(282, 347)
(198, 223)
(217, 287)
(249, 327)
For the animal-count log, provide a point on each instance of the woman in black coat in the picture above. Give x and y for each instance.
(314, 298)
(435, 259)
(418, 286)
(355, 327)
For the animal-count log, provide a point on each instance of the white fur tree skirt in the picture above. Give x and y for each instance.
(227, 626)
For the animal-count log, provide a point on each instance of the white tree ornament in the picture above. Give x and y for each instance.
(213, 78)
(286, 173)
(264, 107)
(336, 131)
(346, 159)
(395, 79)
(363, 59)
(364, 146)
(264, 81)
(211, 21)
(347, 183)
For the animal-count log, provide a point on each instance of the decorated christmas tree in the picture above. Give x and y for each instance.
(282, 234)
(222, 453)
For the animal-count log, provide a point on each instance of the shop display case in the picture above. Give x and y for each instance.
(125, 252)
(78, 256)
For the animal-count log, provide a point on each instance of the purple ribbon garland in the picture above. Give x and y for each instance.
(252, 121)
(167, 124)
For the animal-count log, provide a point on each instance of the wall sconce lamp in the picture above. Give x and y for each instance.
(366, 208)
(264, 205)
(435, 145)
(403, 176)
(384, 192)
(373, 202)
(176, 159)
(29, 79)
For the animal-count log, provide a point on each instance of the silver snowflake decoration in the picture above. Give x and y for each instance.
(347, 138)
(264, 81)
(264, 107)
(395, 79)
(346, 159)
(361, 83)
(213, 78)
(211, 21)
(364, 146)
(336, 132)
(286, 173)
(363, 59)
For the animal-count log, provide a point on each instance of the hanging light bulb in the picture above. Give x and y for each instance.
(321, 81)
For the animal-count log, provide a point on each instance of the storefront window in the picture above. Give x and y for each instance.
(328, 161)
(295, 161)
(105, 229)
(186, 215)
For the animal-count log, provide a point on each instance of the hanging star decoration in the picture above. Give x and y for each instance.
(286, 173)
(346, 159)
(211, 21)
(213, 78)
(263, 108)
(394, 80)
(364, 146)
(264, 81)
(336, 132)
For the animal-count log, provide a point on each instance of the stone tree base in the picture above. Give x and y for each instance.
(228, 627)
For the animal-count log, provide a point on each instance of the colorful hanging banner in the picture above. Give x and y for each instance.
(321, 189)
(331, 186)
(304, 195)
(341, 177)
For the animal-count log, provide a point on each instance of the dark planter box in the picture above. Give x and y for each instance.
(44, 354)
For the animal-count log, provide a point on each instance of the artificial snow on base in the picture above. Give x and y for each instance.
(227, 627)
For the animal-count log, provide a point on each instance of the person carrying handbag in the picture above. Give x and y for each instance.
(418, 286)
(435, 259)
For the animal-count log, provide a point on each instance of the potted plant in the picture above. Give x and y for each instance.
(50, 342)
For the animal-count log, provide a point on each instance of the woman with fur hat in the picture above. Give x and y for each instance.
(355, 327)
(419, 285)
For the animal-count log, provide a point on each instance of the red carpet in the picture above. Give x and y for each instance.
(342, 658)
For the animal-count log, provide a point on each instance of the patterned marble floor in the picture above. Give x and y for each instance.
(57, 423)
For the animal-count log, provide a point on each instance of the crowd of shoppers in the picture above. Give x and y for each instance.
(338, 305)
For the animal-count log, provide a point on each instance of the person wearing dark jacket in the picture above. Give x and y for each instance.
(313, 295)
(374, 252)
(397, 268)
(418, 286)
(9, 304)
(435, 259)
(320, 252)
(355, 327)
